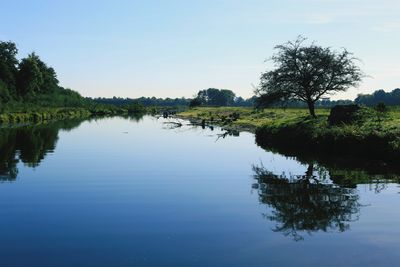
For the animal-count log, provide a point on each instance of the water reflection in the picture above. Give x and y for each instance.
(29, 144)
(344, 170)
(306, 203)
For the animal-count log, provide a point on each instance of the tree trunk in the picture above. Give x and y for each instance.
(310, 170)
(311, 108)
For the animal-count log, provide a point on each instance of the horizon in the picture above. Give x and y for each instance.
(134, 49)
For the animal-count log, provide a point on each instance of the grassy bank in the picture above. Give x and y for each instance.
(34, 113)
(244, 118)
(372, 134)
(43, 115)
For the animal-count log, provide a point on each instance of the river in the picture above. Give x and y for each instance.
(145, 192)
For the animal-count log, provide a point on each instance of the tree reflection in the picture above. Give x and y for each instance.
(305, 203)
(28, 144)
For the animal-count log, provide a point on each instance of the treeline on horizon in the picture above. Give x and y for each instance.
(31, 82)
(224, 97)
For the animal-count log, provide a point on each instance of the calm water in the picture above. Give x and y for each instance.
(140, 192)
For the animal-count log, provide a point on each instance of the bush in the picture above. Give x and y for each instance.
(343, 114)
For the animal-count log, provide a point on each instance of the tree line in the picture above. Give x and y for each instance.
(206, 97)
(379, 96)
(303, 76)
(30, 80)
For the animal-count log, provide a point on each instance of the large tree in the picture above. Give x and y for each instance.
(306, 73)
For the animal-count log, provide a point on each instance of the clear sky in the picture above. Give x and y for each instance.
(174, 48)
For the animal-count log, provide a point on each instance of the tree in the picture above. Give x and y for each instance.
(4, 93)
(49, 77)
(216, 97)
(307, 73)
(8, 67)
(29, 78)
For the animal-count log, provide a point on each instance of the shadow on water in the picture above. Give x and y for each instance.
(323, 199)
(343, 170)
(29, 145)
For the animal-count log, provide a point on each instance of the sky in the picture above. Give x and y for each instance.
(173, 48)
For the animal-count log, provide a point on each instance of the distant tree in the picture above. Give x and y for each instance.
(195, 102)
(216, 97)
(379, 96)
(307, 73)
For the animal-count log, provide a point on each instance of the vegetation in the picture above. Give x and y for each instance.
(245, 117)
(206, 97)
(145, 101)
(307, 73)
(219, 98)
(390, 98)
(372, 133)
(30, 91)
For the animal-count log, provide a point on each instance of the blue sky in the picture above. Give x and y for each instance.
(175, 47)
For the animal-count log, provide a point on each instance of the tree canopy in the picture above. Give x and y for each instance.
(307, 73)
(30, 80)
(219, 97)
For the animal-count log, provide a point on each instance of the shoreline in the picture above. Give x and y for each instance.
(293, 130)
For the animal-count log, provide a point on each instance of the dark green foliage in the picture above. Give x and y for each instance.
(365, 137)
(145, 101)
(195, 102)
(135, 108)
(175, 102)
(29, 77)
(8, 68)
(30, 82)
(343, 114)
(216, 97)
(307, 73)
(322, 103)
(35, 77)
(5, 95)
(391, 98)
(381, 107)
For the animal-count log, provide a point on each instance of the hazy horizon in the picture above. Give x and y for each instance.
(175, 48)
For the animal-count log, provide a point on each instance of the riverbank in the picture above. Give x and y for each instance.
(246, 118)
(36, 114)
(373, 134)
(43, 115)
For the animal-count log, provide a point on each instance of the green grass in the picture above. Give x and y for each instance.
(43, 115)
(23, 112)
(250, 118)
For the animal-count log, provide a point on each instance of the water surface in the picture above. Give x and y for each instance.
(142, 192)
